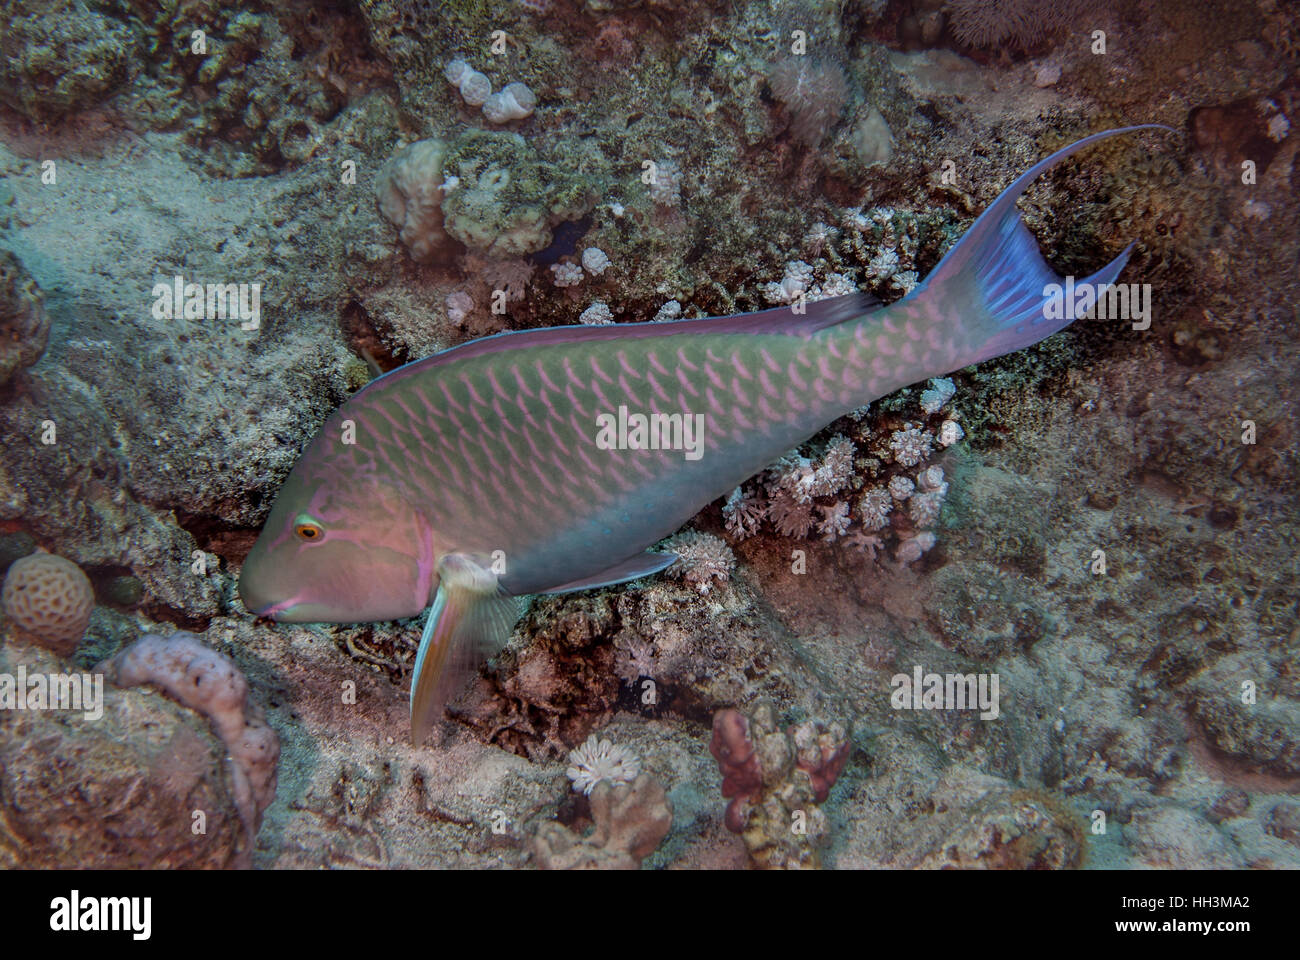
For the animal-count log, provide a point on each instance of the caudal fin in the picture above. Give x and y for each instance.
(989, 289)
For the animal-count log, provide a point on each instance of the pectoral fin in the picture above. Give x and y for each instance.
(642, 565)
(470, 620)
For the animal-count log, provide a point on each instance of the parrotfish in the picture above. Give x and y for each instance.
(549, 461)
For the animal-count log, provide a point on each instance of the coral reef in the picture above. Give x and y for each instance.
(631, 820)
(776, 781)
(210, 683)
(500, 198)
(1102, 521)
(802, 495)
(139, 783)
(49, 600)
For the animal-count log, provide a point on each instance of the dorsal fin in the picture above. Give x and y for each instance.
(777, 320)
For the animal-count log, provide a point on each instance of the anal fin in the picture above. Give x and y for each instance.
(470, 620)
(642, 565)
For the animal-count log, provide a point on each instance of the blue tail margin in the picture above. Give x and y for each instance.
(991, 283)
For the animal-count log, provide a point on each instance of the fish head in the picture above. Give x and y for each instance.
(340, 550)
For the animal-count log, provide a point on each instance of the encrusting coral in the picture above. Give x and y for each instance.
(631, 820)
(776, 779)
(60, 57)
(490, 190)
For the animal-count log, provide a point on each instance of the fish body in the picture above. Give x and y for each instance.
(513, 465)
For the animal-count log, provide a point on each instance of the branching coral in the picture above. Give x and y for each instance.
(800, 494)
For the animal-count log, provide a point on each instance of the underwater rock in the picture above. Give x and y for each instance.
(24, 324)
(1010, 830)
(776, 780)
(209, 682)
(1171, 837)
(660, 648)
(142, 786)
(631, 820)
(14, 546)
(49, 600)
(1284, 823)
(57, 57)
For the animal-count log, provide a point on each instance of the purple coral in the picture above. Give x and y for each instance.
(790, 517)
(819, 751)
(734, 751)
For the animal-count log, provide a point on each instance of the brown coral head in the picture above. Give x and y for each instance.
(737, 814)
(824, 774)
(732, 747)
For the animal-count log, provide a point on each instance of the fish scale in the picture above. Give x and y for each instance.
(475, 476)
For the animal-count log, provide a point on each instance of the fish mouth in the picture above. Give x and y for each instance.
(261, 606)
(275, 610)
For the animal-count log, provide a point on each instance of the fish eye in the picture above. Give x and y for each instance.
(308, 530)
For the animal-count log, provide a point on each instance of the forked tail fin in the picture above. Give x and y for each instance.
(988, 292)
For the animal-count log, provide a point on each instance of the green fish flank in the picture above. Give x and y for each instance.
(551, 460)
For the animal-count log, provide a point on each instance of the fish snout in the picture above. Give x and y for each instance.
(252, 591)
